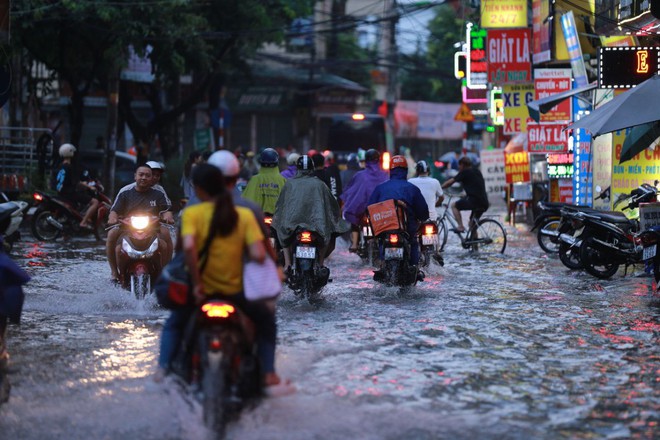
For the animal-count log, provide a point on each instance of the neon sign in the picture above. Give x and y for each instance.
(626, 67)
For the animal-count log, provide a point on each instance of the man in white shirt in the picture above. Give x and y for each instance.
(430, 188)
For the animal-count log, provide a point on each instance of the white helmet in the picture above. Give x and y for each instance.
(67, 150)
(226, 162)
(292, 158)
(155, 165)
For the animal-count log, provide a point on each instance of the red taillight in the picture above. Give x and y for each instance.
(215, 344)
(214, 310)
(38, 197)
(430, 230)
(305, 237)
(268, 220)
(394, 238)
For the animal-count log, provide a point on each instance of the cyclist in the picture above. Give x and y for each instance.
(264, 188)
(430, 188)
(476, 199)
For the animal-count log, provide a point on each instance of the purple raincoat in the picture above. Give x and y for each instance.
(290, 172)
(359, 189)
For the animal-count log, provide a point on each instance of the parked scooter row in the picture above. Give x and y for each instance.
(11, 216)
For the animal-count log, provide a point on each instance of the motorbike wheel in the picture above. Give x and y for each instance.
(548, 244)
(570, 256)
(214, 389)
(442, 236)
(595, 261)
(42, 229)
(140, 285)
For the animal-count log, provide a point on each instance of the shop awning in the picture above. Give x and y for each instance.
(544, 105)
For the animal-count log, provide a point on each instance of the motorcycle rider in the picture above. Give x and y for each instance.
(292, 168)
(264, 188)
(305, 201)
(357, 193)
(399, 189)
(430, 188)
(143, 198)
(476, 199)
(333, 174)
(74, 190)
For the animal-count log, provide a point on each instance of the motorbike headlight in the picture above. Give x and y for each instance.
(140, 222)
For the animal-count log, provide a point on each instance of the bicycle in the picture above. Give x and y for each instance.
(485, 235)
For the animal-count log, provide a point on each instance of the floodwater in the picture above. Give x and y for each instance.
(511, 346)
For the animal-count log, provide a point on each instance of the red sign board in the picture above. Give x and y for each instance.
(516, 167)
(509, 58)
(547, 138)
(548, 82)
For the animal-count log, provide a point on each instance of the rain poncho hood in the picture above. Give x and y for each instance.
(357, 194)
(306, 202)
(398, 188)
(264, 188)
(290, 172)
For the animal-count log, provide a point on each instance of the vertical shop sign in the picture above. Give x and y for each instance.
(582, 171)
(492, 167)
(477, 63)
(516, 167)
(574, 49)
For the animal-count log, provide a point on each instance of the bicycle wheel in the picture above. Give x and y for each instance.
(488, 237)
(442, 235)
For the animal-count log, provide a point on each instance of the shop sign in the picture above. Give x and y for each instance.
(548, 82)
(649, 215)
(515, 98)
(516, 167)
(503, 13)
(626, 67)
(547, 138)
(509, 56)
(565, 191)
(582, 167)
(574, 50)
(541, 31)
(477, 63)
(560, 166)
(492, 168)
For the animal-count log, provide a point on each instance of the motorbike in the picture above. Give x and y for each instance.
(11, 216)
(268, 219)
(367, 246)
(139, 254)
(220, 358)
(611, 239)
(54, 217)
(649, 240)
(428, 244)
(307, 277)
(395, 250)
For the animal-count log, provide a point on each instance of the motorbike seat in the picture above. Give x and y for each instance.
(611, 216)
(6, 209)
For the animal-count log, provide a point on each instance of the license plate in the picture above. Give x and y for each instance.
(32, 210)
(428, 240)
(649, 252)
(305, 252)
(366, 231)
(393, 253)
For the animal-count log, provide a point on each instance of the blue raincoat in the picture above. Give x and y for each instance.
(12, 278)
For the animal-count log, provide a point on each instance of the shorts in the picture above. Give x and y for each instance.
(467, 204)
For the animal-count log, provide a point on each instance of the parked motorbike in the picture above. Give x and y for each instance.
(428, 244)
(568, 230)
(220, 358)
(307, 277)
(610, 239)
(11, 216)
(139, 254)
(54, 216)
(395, 250)
(649, 240)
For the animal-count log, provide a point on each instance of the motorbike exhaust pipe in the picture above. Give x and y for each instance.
(616, 248)
(51, 221)
(550, 233)
(569, 239)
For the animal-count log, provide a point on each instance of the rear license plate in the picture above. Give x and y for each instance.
(32, 210)
(428, 240)
(393, 253)
(649, 252)
(366, 231)
(305, 252)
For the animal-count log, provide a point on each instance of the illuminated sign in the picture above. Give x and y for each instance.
(477, 63)
(503, 13)
(460, 63)
(496, 106)
(560, 166)
(626, 67)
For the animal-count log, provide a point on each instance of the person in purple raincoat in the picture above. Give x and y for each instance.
(357, 194)
(292, 169)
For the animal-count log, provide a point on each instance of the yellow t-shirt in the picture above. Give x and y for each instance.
(224, 270)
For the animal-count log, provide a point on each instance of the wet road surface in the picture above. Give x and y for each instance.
(511, 346)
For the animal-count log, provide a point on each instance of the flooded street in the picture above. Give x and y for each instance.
(512, 346)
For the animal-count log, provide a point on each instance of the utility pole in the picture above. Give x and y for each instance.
(388, 57)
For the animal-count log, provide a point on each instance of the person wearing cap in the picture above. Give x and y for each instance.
(264, 188)
(140, 197)
(305, 201)
(430, 188)
(292, 169)
(358, 191)
(476, 199)
(398, 188)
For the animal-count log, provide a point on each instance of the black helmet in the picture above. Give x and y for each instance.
(269, 158)
(422, 167)
(305, 163)
(372, 155)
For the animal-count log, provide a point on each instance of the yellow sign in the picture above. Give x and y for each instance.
(516, 113)
(464, 114)
(503, 14)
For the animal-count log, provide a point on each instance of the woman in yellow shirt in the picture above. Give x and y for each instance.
(235, 231)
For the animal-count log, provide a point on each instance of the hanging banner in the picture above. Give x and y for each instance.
(503, 13)
(516, 112)
(516, 167)
(574, 49)
(509, 56)
(541, 31)
(548, 82)
(547, 138)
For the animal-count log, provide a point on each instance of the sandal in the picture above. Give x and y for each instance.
(353, 250)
